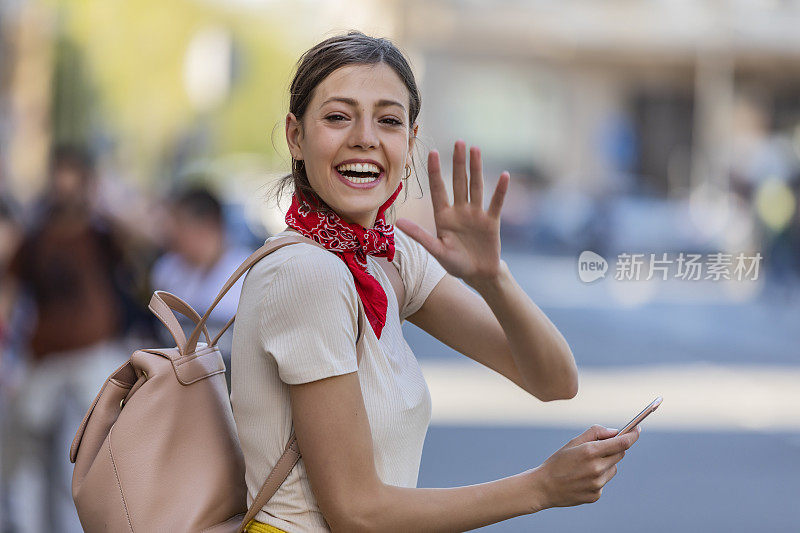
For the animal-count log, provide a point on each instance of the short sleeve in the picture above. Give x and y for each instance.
(421, 272)
(309, 318)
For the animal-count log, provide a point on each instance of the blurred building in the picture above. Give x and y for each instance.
(578, 91)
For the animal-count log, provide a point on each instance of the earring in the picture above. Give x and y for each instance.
(297, 165)
(408, 171)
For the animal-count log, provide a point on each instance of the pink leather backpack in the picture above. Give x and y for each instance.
(158, 449)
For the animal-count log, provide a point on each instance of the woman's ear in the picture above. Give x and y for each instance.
(412, 137)
(294, 133)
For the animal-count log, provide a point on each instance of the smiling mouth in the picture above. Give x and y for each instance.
(359, 172)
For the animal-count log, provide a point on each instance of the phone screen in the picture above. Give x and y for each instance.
(641, 416)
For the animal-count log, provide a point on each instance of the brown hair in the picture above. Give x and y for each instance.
(320, 61)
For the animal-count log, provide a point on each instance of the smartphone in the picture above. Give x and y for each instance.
(641, 416)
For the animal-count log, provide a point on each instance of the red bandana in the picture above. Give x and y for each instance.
(352, 243)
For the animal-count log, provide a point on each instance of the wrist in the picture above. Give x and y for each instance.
(538, 493)
(493, 283)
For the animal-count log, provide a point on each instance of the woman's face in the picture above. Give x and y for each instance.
(355, 139)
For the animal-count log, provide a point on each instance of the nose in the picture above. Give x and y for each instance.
(364, 135)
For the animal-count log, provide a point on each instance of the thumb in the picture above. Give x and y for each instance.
(417, 233)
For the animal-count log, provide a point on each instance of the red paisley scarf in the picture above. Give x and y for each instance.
(352, 243)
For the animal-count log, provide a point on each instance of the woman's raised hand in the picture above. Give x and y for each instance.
(467, 240)
(577, 472)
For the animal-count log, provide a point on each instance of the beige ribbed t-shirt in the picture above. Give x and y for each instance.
(297, 322)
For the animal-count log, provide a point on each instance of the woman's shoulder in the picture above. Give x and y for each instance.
(302, 264)
(409, 255)
(295, 282)
(402, 242)
(419, 270)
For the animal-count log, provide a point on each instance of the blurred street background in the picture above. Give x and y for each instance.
(138, 142)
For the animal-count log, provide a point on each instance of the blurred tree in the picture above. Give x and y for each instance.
(135, 53)
(72, 96)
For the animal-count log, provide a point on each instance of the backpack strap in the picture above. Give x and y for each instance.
(255, 257)
(291, 453)
(388, 267)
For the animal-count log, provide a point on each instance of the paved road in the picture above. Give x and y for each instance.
(673, 480)
(668, 482)
(683, 321)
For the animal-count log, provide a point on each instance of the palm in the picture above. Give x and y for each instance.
(467, 241)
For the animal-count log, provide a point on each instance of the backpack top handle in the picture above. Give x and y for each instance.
(163, 303)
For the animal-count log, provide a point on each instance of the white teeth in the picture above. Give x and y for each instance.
(359, 167)
(359, 180)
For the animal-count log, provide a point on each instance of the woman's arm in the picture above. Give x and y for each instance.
(335, 441)
(501, 328)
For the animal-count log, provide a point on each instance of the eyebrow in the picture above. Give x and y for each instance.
(352, 102)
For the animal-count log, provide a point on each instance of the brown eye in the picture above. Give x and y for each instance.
(392, 122)
(335, 118)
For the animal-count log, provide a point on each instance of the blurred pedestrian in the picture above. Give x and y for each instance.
(10, 235)
(199, 260)
(70, 265)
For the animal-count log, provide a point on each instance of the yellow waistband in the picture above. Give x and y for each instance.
(260, 527)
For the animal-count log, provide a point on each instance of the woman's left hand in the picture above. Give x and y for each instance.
(467, 240)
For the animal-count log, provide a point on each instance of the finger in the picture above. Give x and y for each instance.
(475, 177)
(611, 460)
(610, 432)
(499, 195)
(618, 443)
(632, 435)
(436, 183)
(596, 432)
(459, 173)
(606, 476)
(428, 241)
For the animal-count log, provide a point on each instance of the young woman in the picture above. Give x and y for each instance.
(360, 427)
